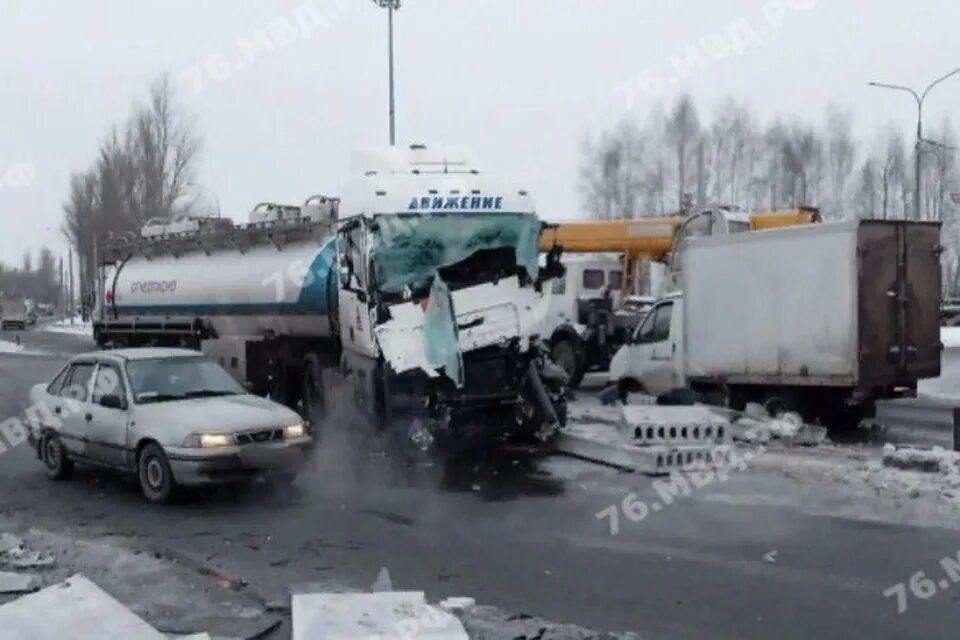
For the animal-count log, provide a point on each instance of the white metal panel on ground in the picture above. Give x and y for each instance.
(778, 304)
(389, 615)
(76, 609)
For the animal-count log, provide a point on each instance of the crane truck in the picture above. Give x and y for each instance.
(420, 287)
(591, 313)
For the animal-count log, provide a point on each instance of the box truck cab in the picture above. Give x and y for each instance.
(652, 359)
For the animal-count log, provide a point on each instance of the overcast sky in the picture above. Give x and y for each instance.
(518, 82)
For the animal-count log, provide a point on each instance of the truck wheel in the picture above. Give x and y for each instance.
(156, 478)
(565, 355)
(54, 456)
(311, 387)
(627, 386)
(777, 404)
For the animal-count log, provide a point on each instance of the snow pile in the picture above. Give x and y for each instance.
(756, 426)
(74, 326)
(950, 337)
(935, 460)
(10, 347)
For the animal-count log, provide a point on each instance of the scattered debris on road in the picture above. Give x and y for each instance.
(935, 460)
(66, 609)
(387, 614)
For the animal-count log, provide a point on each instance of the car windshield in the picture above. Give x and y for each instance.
(163, 379)
(408, 250)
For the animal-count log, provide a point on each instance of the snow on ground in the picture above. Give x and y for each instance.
(10, 347)
(950, 337)
(75, 326)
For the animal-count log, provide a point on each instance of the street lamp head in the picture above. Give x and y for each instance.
(388, 4)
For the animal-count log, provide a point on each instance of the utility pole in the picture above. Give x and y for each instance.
(61, 298)
(919, 97)
(390, 6)
(70, 298)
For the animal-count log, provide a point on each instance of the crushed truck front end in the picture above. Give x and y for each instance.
(442, 299)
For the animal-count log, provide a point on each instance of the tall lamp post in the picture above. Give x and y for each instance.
(919, 97)
(390, 6)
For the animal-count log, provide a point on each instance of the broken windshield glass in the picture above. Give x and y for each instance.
(408, 250)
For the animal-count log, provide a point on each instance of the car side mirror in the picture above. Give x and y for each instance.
(111, 401)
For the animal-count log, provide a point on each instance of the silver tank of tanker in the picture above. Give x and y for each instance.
(274, 275)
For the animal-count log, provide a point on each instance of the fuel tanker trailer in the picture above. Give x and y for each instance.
(422, 287)
(260, 297)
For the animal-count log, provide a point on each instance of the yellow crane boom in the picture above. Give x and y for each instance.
(650, 238)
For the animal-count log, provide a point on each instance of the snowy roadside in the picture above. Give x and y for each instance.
(8, 346)
(174, 595)
(75, 327)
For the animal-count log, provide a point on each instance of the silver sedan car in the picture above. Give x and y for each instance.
(174, 417)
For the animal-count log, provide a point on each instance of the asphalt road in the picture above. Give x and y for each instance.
(520, 532)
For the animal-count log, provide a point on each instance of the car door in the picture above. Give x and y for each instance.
(70, 404)
(106, 427)
(657, 375)
(640, 349)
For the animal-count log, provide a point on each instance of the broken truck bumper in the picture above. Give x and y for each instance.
(193, 467)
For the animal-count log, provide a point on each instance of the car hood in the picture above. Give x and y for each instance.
(172, 421)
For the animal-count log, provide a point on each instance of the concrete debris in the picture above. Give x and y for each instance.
(383, 582)
(457, 604)
(17, 582)
(14, 554)
(755, 426)
(607, 445)
(490, 623)
(935, 460)
(10, 543)
(673, 425)
(76, 608)
(390, 615)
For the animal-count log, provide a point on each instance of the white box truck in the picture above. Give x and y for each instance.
(13, 312)
(823, 319)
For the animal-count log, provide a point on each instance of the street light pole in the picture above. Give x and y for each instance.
(390, 6)
(919, 144)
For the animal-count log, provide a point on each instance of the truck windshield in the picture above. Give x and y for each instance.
(467, 248)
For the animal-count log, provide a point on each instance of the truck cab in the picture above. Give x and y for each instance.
(441, 295)
(652, 359)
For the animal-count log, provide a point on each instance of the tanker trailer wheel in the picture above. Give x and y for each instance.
(567, 357)
(311, 387)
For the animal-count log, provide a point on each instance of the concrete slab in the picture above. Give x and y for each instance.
(76, 608)
(674, 425)
(18, 582)
(607, 445)
(389, 615)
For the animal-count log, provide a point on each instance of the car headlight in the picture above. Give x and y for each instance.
(208, 440)
(294, 431)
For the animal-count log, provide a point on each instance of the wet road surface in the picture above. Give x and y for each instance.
(520, 531)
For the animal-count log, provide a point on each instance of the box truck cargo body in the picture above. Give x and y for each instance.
(823, 318)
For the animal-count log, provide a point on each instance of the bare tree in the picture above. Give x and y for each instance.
(683, 130)
(141, 172)
(840, 152)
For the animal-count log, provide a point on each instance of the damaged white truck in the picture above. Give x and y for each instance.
(421, 288)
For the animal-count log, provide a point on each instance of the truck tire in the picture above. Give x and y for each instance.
(567, 356)
(311, 387)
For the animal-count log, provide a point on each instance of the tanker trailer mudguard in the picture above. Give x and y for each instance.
(460, 298)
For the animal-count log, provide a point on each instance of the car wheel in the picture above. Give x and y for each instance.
(54, 456)
(153, 470)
